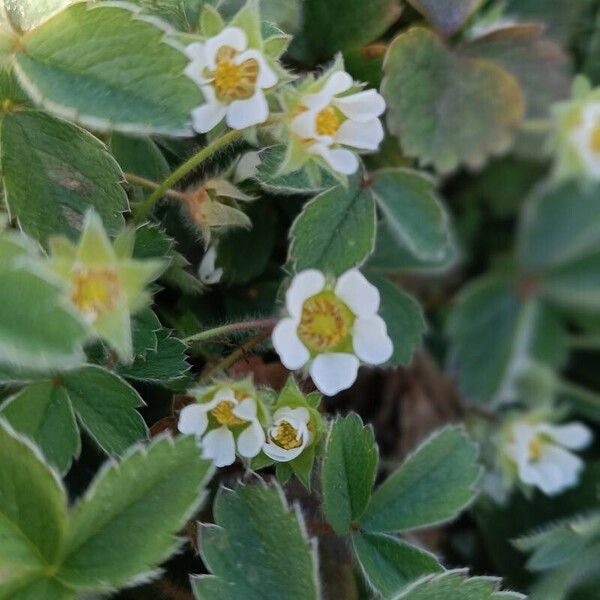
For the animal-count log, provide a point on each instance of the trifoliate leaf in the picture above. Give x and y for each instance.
(106, 68)
(448, 110)
(447, 16)
(114, 536)
(390, 564)
(348, 471)
(54, 172)
(257, 549)
(432, 486)
(335, 231)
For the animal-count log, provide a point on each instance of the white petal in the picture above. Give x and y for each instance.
(299, 414)
(246, 409)
(195, 51)
(337, 83)
(207, 271)
(341, 160)
(245, 113)
(334, 372)
(304, 285)
(250, 441)
(234, 37)
(266, 76)
(209, 115)
(292, 352)
(367, 135)
(557, 470)
(219, 446)
(194, 71)
(304, 124)
(193, 419)
(361, 296)
(574, 436)
(280, 454)
(223, 394)
(370, 340)
(363, 106)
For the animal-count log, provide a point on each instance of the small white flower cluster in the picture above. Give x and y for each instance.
(540, 452)
(226, 422)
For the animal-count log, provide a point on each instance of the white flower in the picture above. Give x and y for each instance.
(208, 272)
(328, 120)
(586, 139)
(539, 451)
(289, 435)
(212, 423)
(232, 78)
(332, 329)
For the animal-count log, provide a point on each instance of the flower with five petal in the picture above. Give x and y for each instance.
(540, 453)
(328, 119)
(225, 417)
(332, 327)
(585, 139)
(232, 78)
(289, 434)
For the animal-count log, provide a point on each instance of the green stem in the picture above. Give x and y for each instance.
(144, 209)
(231, 328)
(151, 185)
(581, 393)
(585, 342)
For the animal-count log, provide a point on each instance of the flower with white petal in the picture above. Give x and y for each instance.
(289, 435)
(331, 120)
(208, 272)
(540, 453)
(232, 78)
(224, 419)
(585, 139)
(332, 328)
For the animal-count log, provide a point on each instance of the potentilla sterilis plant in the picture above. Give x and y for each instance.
(331, 327)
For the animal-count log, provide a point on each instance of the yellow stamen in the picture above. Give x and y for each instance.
(233, 81)
(286, 436)
(325, 322)
(96, 290)
(328, 121)
(223, 413)
(595, 139)
(535, 449)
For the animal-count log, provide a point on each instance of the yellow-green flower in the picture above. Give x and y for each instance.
(103, 282)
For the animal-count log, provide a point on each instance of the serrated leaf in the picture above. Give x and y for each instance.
(412, 210)
(140, 156)
(144, 328)
(432, 486)
(447, 16)
(448, 110)
(54, 172)
(43, 413)
(403, 317)
(182, 14)
(455, 585)
(106, 68)
(335, 231)
(390, 564)
(348, 471)
(37, 589)
(151, 242)
(119, 512)
(257, 549)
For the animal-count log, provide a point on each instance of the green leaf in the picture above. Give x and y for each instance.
(124, 526)
(32, 510)
(447, 16)
(105, 405)
(448, 110)
(140, 156)
(335, 231)
(390, 564)
(412, 211)
(27, 14)
(54, 172)
(403, 317)
(106, 68)
(257, 549)
(432, 486)
(43, 413)
(348, 471)
(39, 589)
(495, 334)
(184, 15)
(552, 214)
(455, 585)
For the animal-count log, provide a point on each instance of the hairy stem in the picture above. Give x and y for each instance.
(151, 185)
(231, 328)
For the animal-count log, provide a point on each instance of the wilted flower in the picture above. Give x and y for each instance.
(208, 272)
(540, 453)
(332, 327)
(289, 435)
(232, 77)
(586, 139)
(104, 286)
(225, 417)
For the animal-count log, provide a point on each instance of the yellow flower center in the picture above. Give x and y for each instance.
(328, 121)
(233, 81)
(286, 436)
(325, 323)
(595, 139)
(535, 449)
(223, 413)
(96, 290)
